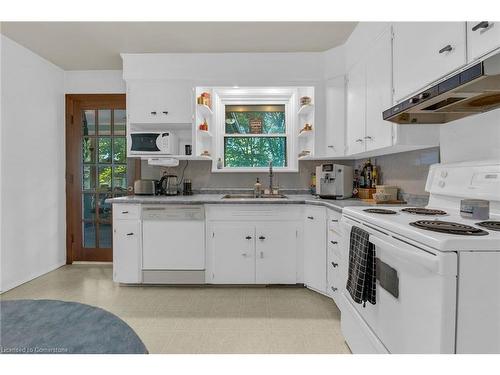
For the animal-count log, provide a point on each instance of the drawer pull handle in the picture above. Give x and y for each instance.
(335, 221)
(334, 264)
(481, 25)
(262, 238)
(358, 140)
(334, 242)
(153, 113)
(124, 212)
(248, 237)
(165, 112)
(447, 48)
(310, 217)
(334, 289)
(130, 234)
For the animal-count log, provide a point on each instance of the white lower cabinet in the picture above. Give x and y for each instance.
(315, 248)
(127, 251)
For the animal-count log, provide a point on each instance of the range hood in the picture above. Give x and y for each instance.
(471, 91)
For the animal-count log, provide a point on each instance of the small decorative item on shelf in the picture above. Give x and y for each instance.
(205, 153)
(306, 128)
(256, 125)
(304, 153)
(219, 163)
(204, 126)
(305, 100)
(205, 99)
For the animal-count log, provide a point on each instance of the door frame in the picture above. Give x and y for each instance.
(73, 159)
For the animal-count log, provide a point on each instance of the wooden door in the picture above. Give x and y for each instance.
(97, 168)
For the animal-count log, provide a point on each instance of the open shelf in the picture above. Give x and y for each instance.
(204, 133)
(305, 110)
(205, 110)
(305, 133)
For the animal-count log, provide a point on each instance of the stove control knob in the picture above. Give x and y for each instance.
(444, 174)
(441, 184)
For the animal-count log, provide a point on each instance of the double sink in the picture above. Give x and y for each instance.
(251, 196)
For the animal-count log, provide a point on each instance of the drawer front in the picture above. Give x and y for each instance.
(334, 275)
(251, 212)
(126, 211)
(334, 220)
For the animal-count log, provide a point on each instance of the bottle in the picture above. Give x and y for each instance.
(257, 189)
(374, 177)
(219, 163)
(362, 177)
(368, 175)
(313, 183)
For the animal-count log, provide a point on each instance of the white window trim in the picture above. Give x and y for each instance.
(256, 95)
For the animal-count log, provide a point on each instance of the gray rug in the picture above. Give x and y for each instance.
(48, 326)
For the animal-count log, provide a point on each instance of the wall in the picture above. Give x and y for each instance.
(94, 82)
(33, 227)
(472, 138)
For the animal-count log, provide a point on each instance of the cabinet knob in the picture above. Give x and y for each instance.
(248, 237)
(165, 112)
(331, 146)
(310, 217)
(153, 113)
(334, 289)
(262, 238)
(334, 264)
(369, 137)
(481, 25)
(130, 234)
(358, 140)
(447, 48)
(334, 242)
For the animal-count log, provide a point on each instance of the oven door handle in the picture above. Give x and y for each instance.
(405, 252)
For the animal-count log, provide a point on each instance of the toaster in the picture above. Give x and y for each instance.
(145, 187)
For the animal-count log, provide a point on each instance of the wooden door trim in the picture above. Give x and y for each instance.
(73, 160)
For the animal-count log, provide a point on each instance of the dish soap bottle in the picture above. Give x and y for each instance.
(257, 189)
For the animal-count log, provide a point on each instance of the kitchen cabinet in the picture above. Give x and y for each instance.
(356, 109)
(127, 251)
(424, 52)
(482, 38)
(315, 248)
(335, 117)
(369, 93)
(159, 102)
(233, 252)
(276, 253)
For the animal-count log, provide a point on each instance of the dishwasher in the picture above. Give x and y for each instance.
(173, 244)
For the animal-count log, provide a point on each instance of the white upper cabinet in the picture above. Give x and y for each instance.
(356, 109)
(482, 38)
(378, 92)
(425, 52)
(335, 117)
(159, 102)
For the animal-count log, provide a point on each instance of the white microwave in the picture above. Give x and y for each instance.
(158, 143)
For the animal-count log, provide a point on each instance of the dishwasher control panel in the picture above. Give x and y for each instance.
(173, 212)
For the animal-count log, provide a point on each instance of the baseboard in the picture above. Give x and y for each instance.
(13, 284)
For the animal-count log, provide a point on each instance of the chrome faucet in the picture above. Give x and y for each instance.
(270, 177)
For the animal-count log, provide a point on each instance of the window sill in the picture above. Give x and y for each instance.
(255, 170)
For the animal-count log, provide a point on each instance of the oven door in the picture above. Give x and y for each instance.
(415, 296)
(144, 142)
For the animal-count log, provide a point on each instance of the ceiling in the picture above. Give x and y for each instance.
(97, 45)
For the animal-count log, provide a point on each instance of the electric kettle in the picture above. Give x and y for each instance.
(168, 184)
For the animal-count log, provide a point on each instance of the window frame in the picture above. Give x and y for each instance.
(256, 96)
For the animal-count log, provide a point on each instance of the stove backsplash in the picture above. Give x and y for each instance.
(408, 170)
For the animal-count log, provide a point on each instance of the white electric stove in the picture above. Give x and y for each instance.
(438, 281)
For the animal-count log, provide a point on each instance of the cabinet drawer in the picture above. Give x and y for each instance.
(334, 220)
(251, 212)
(126, 211)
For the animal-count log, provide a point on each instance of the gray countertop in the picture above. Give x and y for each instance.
(337, 205)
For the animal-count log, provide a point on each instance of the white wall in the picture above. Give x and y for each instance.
(33, 225)
(472, 138)
(94, 82)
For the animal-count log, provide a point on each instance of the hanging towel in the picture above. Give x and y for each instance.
(361, 279)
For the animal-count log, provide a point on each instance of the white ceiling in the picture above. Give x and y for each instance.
(97, 45)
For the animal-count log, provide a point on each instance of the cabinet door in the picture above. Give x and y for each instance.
(160, 102)
(425, 52)
(378, 92)
(335, 117)
(276, 253)
(315, 248)
(482, 38)
(233, 253)
(127, 251)
(356, 109)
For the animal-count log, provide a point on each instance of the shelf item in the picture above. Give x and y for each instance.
(205, 110)
(305, 100)
(305, 109)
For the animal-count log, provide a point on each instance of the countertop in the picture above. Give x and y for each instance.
(336, 205)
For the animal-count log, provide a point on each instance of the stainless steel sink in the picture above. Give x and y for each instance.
(251, 196)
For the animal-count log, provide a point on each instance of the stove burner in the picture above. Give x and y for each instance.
(423, 211)
(381, 211)
(448, 227)
(491, 225)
